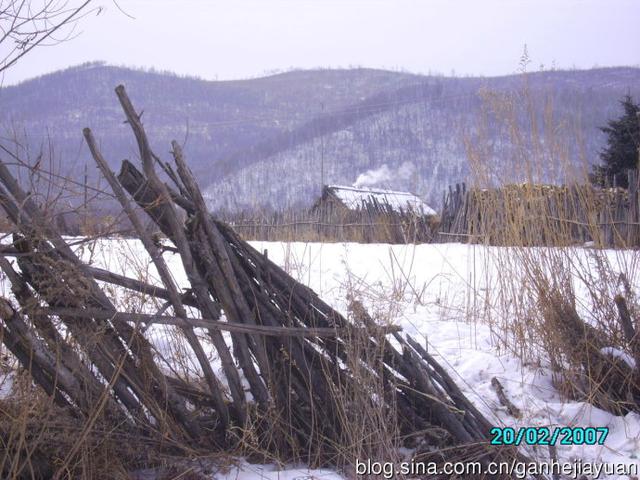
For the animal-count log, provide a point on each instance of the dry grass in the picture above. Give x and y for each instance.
(37, 437)
(553, 300)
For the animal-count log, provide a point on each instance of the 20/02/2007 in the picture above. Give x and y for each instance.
(549, 436)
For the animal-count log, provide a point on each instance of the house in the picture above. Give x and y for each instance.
(336, 198)
(373, 215)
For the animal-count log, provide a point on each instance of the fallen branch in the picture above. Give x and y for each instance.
(504, 401)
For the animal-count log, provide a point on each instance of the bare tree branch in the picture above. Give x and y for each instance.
(27, 24)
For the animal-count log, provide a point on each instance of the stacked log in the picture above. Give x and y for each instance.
(536, 214)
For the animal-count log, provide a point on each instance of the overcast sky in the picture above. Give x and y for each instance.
(217, 39)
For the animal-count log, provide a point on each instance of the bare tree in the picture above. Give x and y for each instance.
(26, 24)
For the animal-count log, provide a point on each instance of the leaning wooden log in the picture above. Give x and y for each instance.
(217, 249)
(113, 278)
(59, 285)
(42, 367)
(209, 323)
(90, 386)
(117, 344)
(251, 299)
(152, 203)
(174, 296)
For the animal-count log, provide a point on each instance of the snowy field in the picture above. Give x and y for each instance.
(440, 294)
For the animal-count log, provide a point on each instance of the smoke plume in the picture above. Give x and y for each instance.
(384, 175)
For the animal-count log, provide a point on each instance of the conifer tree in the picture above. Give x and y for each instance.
(621, 152)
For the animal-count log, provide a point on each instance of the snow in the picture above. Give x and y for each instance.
(443, 295)
(247, 471)
(355, 198)
(622, 355)
(6, 384)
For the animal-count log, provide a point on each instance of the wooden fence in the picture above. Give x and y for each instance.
(363, 226)
(531, 214)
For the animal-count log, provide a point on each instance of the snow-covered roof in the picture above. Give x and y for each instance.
(356, 198)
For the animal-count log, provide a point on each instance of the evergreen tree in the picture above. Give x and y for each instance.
(621, 152)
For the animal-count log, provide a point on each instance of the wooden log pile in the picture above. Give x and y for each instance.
(287, 357)
(534, 214)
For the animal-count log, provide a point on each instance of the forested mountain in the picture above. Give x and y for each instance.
(264, 141)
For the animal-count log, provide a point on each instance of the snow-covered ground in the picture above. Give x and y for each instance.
(441, 294)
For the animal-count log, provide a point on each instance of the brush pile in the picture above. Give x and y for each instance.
(290, 363)
(593, 369)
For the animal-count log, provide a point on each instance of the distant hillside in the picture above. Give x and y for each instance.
(262, 141)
